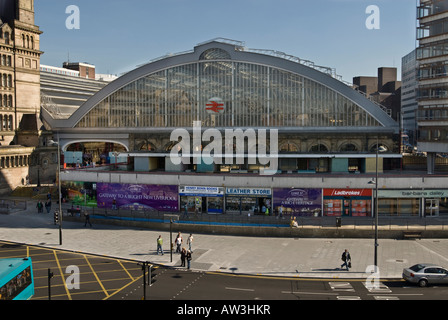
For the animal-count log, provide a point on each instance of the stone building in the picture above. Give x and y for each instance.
(21, 128)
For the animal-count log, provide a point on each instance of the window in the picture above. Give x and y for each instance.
(431, 270)
(10, 124)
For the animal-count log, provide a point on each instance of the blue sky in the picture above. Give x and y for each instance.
(117, 35)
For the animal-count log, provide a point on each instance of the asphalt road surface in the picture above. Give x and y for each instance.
(78, 276)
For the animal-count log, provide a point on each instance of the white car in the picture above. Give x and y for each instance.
(424, 274)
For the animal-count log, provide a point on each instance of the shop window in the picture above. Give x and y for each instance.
(398, 207)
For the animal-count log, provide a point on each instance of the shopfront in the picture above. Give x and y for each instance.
(348, 202)
(249, 200)
(199, 199)
(298, 202)
(419, 203)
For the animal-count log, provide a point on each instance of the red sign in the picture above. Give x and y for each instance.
(347, 192)
(215, 105)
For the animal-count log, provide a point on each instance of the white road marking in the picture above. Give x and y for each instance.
(240, 289)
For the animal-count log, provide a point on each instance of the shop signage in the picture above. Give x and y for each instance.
(249, 191)
(413, 193)
(347, 192)
(215, 105)
(196, 190)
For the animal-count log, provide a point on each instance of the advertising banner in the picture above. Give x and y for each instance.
(298, 202)
(137, 196)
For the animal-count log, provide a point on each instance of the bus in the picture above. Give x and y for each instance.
(16, 279)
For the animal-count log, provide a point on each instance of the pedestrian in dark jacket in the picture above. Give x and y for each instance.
(183, 255)
(48, 205)
(39, 206)
(87, 221)
(347, 260)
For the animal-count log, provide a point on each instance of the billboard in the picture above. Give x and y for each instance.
(298, 202)
(138, 196)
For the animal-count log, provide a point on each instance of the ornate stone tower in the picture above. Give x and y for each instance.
(19, 91)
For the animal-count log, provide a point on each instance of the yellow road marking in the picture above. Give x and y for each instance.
(96, 276)
(62, 275)
(125, 286)
(119, 262)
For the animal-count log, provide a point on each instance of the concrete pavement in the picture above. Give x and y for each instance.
(281, 257)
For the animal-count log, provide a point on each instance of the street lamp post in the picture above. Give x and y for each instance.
(171, 240)
(59, 192)
(376, 209)
(59, 215)
(376, 245)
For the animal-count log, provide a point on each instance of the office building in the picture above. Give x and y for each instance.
(432, 53)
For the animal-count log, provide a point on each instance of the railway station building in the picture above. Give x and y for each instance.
(327, 139)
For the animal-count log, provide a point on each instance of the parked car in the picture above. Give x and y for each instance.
(425, 274)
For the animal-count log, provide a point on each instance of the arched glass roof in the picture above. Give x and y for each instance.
(255, 90)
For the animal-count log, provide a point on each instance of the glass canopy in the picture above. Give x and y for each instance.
(253, 95)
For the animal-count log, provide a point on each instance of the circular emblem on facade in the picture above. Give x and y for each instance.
(215, 106)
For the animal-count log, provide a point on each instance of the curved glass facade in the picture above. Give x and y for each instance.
(254, 96)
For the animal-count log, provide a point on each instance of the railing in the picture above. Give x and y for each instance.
(235, 219)
(9, 206)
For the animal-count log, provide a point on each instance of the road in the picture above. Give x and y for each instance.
(108, 278)
(184, 285)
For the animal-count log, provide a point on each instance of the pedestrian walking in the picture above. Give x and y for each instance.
(183, 256)
(159, 244)
(347, 260)
(48, 205)
(39, 206)
(87, 216)
(190, 242)
(178, 242)
(188, 259)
